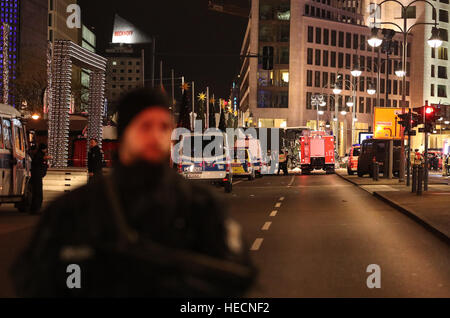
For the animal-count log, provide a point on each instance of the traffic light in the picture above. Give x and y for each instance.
(428, 116)
(405, 121)
(268, 57)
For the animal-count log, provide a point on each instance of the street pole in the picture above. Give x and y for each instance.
(425, 171)
(153, 61)
(161, 74)
(143, 67)
(401, 176)
(173, 90)
(193, 106)
(207, 107)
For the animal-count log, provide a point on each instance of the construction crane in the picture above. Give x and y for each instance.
(232, 7)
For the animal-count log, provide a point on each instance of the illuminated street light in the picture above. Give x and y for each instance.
(374, 40)
(35, 116)
(356, 72)
(321, 112)
(435, 41)
(335, 119)
(371, 89)
(446, 122)
(400, 73)
(337, 90)
(350, 104)
(343, 113)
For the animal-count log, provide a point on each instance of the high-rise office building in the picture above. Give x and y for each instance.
(317, 43)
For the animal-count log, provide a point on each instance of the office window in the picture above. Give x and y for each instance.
(433, 52)
(442, 72)
(443, 16)
(361, 105)
(432, 71)
(324, 79)
(310, 56)
(442, 90)
(443, 53)
(368, 105)
(318, 57)
(348, 59)
(348, 40)
(318, 36)
(325, 58)
(410, 13)
(432, 90)
(309, 78)
(332, 78)
(362, 62)
(317, 79)
(326, 36)
(382, 86)
(407, 88)
(355, 41)
(333, 37)
(362, 84)
(341, 60)
(444, 34)
(333, 59)
(341, 39)
(395, 87)
(310, 34)
(363, 42)
(308, 100)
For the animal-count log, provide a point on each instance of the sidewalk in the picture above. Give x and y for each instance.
(432, 209)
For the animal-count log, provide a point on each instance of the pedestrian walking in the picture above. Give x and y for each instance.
(39, 168)
(95, 160)
(142, 231)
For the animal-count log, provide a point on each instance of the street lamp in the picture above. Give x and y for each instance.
(337, 90)
(371, 89)
(375, 40)
(435, 40)
(356, 72)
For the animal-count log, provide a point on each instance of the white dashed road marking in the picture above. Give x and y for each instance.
(266, 226)
(274, 213)
(282, 199)
(292, 181)
(237, 182)
(278, 205)
(257, 244)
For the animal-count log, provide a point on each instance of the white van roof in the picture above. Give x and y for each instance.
(9, 110)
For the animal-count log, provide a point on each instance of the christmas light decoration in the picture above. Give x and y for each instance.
(66, 53)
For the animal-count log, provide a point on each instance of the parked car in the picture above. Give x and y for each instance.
(352, 164)
(377, 150)
(199, 161)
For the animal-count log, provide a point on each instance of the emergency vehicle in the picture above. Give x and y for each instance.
(352, 165)
(15, 162)
(317, 152)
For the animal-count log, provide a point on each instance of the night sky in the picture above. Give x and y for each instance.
(202, 45)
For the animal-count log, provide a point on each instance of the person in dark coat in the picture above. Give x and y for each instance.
(38, 172)
(196, 249)
(95, 160)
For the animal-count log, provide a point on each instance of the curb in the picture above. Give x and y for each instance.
(406, 212)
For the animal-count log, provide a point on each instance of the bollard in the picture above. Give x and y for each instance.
(376, 171)
(414, 179)
(420, 176)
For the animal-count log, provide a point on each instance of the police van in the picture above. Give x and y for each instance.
(15, 163)
(199, 160)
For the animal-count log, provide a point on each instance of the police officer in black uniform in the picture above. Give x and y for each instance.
(143, 231)
(38, 172)
(95, 160)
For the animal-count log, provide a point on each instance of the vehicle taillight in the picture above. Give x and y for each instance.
(180, 168)
(228, 167)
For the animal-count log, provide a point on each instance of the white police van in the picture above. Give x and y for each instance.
(201, 161)
(15, 163)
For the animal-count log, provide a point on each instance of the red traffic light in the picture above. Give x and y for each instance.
(429, 110)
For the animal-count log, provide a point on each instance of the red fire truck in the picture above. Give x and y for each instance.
(317, 152)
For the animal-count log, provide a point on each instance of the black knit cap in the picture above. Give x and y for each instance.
(134, 102)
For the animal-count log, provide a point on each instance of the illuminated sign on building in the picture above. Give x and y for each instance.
(126, 33)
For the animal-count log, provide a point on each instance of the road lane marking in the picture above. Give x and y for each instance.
(237, 182)
(274, 213)
(257, 244)
(278, 205)
(282, 199)
(266, 226)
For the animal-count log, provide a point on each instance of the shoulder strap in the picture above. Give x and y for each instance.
(126, 233)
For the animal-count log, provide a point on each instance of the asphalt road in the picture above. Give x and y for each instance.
(326, 232)
(311, 236)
